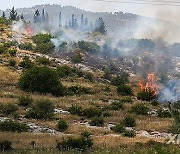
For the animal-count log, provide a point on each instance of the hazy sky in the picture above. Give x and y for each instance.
(163, 12)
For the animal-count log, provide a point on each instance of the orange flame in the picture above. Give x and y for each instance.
(29, 30)
(150, 84)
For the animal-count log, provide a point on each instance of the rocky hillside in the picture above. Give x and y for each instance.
(51, 102)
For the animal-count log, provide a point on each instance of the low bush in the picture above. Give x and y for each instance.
(12, 52)
(97, 121)
(62, 125)
(12, 63)
(121, 79)
(92, 112)
(164, 113)
(140, 109)
(129, 121)
(129, 133)
(2, 48)
(5, 145)
(8, 109)
(25, 46)
(11, 126)
(42, 80)
(175, 129)
(82, 144)
(124, 90)
(42, 109)
(116, 106)
(119, 128)
(64, 71)
(126, 100)
(44, 48)
(76, 110)
(26, 63)
(77, 90)
(89, 47)
(25, 100)
(43, 61)
(154, 102)
(146, 95)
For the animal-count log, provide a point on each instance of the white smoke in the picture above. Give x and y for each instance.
(171, 91)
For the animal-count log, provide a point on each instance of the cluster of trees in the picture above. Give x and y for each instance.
(41, 17)
(13, 16)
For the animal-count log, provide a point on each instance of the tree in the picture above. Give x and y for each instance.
(43, 16)
(100, 26)
(13, 14)
(42, 80)
(3, 15)
(60, 20)
(37, 16)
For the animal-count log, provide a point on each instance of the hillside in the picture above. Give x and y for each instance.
(50, 94)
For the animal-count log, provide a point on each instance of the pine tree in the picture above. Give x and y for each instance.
(100, 26)
(73, 21)
(13, 14)
(43, 16)
(3, 15)
(60, 20)
(37, 17)
(47, 18)
(82, 20)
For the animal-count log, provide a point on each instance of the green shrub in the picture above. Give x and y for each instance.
(9, 44)
(77, 58)
(11, 126)
(154, 103)
(175, 129)
(146, 95)
(140, 109)
(2, 48)
(12, 63)
(64, 71)
(5, 21)
(124, 90)
(89, 76)
(25, 100)
(92, 112)
(129, 133)
(26, 63)
(89, 47)
(44, 48)
(12, 52)
(42, 80)
(121, 79)
(119, 128)
(129, 121)
(76, 110)
(62, 125)
(26, 46)
(5, 145)
(8, 109)
(77, 90)
(126, 100)
(115, 106)
(43, 61)
(42, 38)
(164, 113)
(82, 144)
(97, 121)
(42, 109)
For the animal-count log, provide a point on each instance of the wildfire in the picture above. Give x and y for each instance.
(150, 84)
(29, 30)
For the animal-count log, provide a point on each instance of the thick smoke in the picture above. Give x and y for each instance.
(171, 91)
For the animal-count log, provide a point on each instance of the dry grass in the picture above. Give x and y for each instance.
(8, 77)
(154, 123)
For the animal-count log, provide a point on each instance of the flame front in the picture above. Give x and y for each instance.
(150, 84)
